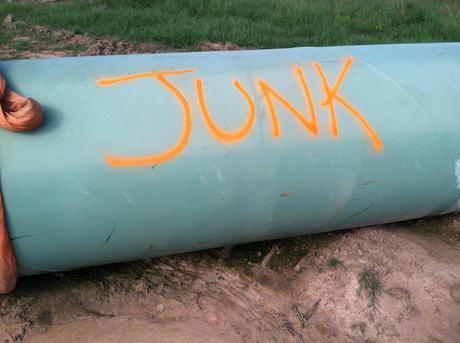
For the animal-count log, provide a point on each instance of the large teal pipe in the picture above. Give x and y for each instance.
(148, 155)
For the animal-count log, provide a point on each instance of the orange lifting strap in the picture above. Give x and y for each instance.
(17, 113)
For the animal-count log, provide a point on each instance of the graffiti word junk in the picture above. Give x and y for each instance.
(273, 100)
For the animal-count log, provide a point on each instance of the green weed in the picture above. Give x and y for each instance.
(334, 262)
(370, 287)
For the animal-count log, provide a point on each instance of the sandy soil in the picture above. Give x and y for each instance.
(311, 288)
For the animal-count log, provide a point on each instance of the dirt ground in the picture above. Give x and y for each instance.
(393, 283)
(237, 295)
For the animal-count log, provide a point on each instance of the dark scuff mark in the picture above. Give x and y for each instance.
(110, 234)
(361, 211)
(286, 194)
(153, 167)
(33, 234)
(370, 182)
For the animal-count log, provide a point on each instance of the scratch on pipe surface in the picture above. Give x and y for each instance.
(33, 234)
(111, 234)
(219, 173)
(361, 211)
(128, 198)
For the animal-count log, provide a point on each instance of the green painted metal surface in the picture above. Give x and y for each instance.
(126, 168)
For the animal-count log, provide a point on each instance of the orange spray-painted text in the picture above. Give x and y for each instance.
(271, 97)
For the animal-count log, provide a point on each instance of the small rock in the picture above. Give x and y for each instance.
(211, 318)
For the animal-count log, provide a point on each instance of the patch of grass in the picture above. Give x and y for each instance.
(290, 251)
(445, 228)
(210, 257)
(334, 262)
(5, 35)
(243, 256)
(76, 49)
(21, 45)
(370, 287)
(255, 23)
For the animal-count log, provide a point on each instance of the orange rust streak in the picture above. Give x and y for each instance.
(133, 161)
(268, 92)
(221, 135)
(125, 78)
(331, 95)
